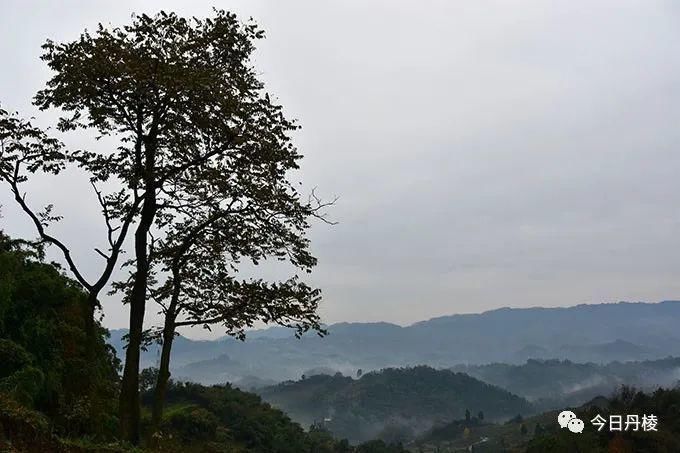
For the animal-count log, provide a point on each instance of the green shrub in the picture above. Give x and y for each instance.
(13, 357)
(24, 385)
(192, 423)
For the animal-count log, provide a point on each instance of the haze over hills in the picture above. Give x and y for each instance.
(552, 384)
(378, 404)
(596, 333)
(399, 405)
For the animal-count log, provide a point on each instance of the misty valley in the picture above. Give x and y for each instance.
(417, 385)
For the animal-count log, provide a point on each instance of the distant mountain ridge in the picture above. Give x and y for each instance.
(596, 333)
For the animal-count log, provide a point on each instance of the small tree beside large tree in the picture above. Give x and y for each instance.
(195, 264)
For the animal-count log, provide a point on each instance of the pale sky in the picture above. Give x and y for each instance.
(486, 153)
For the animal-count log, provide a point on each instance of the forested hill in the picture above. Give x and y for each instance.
(391, 402)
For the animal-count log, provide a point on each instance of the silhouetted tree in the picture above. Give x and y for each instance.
(185, 103)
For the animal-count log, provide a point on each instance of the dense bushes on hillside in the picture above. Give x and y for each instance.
(541, 432)
(47, 362)
(224, 419)
(58, 385)
(664, 404)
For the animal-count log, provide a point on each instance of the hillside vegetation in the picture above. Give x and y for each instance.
(59, 386)
(541, 433)
(392, 404)
(663, 403)
(48, 365)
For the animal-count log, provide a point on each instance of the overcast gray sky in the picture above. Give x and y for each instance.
(486, 153)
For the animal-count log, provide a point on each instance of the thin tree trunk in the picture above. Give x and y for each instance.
(163, 372)
(169, 328)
